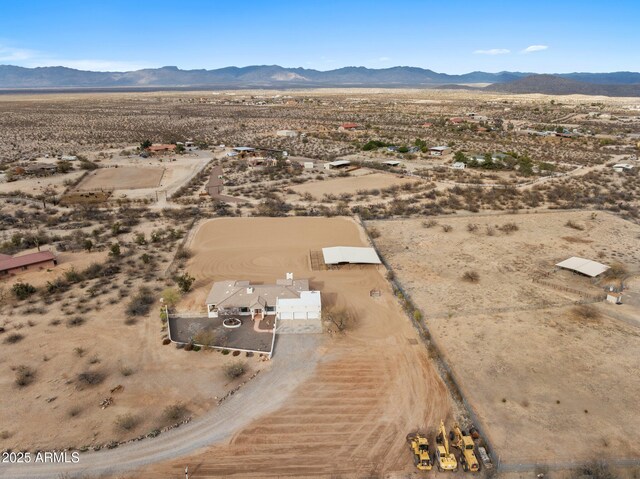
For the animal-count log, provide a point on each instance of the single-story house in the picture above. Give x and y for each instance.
(439, 150)
(349, 126)
(28, 262)
(69, 158)
(161, 148)
(288, 133)
(613, 297)
(288, 300)
(336, 164)
(41, 168)
(391, 163)
(244, 149)
(458, 165)
(308, 165)
(583, 266)
(622, 167)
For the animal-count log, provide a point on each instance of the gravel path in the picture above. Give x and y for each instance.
(294, 362)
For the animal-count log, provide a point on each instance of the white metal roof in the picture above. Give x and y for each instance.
(439, 148)
(244, 148)
(583, 266)
(350, 254)
(391, 162)
(340, 163)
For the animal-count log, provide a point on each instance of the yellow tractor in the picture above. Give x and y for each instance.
(419, 445)
(464, 443)
(444, 457)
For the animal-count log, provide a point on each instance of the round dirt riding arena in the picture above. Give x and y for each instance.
(122, 178)
(352, 184)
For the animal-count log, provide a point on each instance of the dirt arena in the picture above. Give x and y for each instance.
(351, 184)
(122, 178)
(371, 387)
(537, 374)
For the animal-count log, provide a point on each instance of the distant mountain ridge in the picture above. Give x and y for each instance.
(557, 85)
(14, 77)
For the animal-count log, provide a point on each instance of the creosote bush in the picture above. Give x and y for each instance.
(235, 370)
(471, 276)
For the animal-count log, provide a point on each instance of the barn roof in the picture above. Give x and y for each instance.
(25, 260)
(350, 254)
(583, 266)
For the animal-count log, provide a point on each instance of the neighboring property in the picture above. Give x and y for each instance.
(69, 158)
(294, 305)
(615, 298)
(244, 149)
(458, 165)
(308, 165)
(391, 163)
(349, 126)
(337, 164)
(622, 167)
(288, 133)
(439, 150)
(28, 262)
(583, 266)
(337, 255)
(160, 149)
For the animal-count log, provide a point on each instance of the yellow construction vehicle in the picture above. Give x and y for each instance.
(419, 445)
(445, 459)
(464, 443)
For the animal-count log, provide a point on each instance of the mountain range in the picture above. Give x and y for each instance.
(273, 76)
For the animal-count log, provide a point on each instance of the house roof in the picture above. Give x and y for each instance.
(350, 254)
(349, 125)
(243, 294)
(340, 163)
(438, 148)
(243, 148)
(583, 266)
(25, 260)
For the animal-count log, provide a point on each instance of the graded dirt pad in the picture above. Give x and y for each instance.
(351, 184)
(122, 178)
(538, 374)
(372, 386)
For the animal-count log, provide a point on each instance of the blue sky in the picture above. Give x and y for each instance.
(451, 36)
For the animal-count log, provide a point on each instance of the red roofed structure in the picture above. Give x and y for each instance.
(17, 264)
(349, 126)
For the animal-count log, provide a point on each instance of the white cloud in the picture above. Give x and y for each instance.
(33, 58)
(493, 51)
(384, 59)
(534, 48)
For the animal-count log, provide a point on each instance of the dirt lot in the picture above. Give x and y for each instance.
(537, 373)
(154, 376)
(351, 184)
(372, 386)
(122, 178)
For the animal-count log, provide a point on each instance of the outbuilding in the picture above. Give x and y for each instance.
(583, 266)
(439, 150)
(337, 164)
(350, 255)
(32, 261)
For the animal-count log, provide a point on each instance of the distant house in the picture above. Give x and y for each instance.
(439, 150)
(308, 165)
(41, 169)
(615, 298)
(159, 149)
(28, 262)
(427, 125)
(391, 163)
(337, 164)
(349, 126)
(288, 133)
(458, 165)
(456, 120)
(69, 158)
(622, 167)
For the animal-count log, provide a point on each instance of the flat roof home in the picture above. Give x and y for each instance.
(27, 262)
(622, 167)
(160, 148)
(336, 164)
(289, 300)
(439, 150)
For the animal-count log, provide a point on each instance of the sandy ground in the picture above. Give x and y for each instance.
(33, 415)
(371, 388)
(121, 178)
(351, 184)
(38, 185)
(536, 375)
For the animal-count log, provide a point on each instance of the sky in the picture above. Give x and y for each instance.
(449, 36)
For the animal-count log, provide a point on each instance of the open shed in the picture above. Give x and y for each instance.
(583, 266)
(350, 255)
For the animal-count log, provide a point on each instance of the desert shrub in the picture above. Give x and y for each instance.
(235, 370)
(447, 228)
(23, 290)
(75, 321)
(14, 338)
(509, 228)
(91, 378)
(175, 412)
(586, 312)
(374, 232)
(595, 470)
(342, 319)
(429, 223)
(170, 296)
(574, 225)
(79, 351)
(183, 253)
(184, 282)
(74, 411)
(24, 375)
(472, 227)
(140, 304)
(126, 422)
(73, 276)
(471, 276)
(616, 271)
(126, 370)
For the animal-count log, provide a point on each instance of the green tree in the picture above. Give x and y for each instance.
(459, 156)
(179, 149)
(145, 144)
(23, 290)
(185, 281)
(87, 244)
(115, 250)
(64, 166)
(170, 297)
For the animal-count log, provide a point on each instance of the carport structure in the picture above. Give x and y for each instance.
(583, 266)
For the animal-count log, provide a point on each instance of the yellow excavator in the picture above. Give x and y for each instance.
(464, 443)
(444, 457)
(419, 445)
